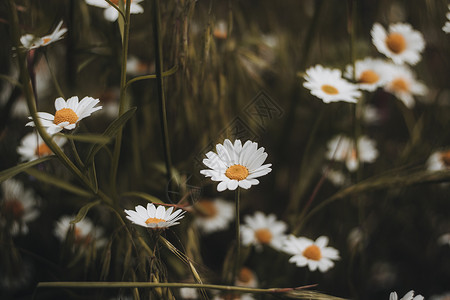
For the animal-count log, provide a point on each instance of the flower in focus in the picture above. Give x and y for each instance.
(246, 278)
(342, 148)
(439, 160)
(402, 43)
(314, 254)
(446, 27)
(111, 14)
(18, 207)
(236, 165)
(370, 73)
(152, 217)
(213, 215)
(328, 85)
(67, 114)
(85, 232)
(261, 230)
(29, 41)
(408, 296)
(403, 84)
(32, 146)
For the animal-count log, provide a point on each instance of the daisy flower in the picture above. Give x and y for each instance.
(314, 254)
(403, 84)
(111, 14)
(446, 27)
(152, 217)
(370, 73)
(213, 215)
(328, 85)
(29, 41)
(246, 278)
(261, 230)
(32, 146)
(236, 165)
(342, 148)
(67, 114)
(408, 296)
(402, 43)
(85, 232)
(439, 160)
(18, 207)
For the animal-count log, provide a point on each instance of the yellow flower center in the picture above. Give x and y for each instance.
(42, 150)
(329, 89)
(154, 221)
(400, 84)
(14, 208)
(369, 77)
(312, 252)
(245, 275)
(116, 2)
(396, 42)
(263, 235)
(445, 156)
(46, 40)
(237, 172)
(206, 208)
(65, 115)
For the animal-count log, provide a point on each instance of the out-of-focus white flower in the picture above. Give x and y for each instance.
(439, 160)
(220, 30)
(402, 43)
(328, 85)
(371, 115)
(155, 218)
(18, 207)
(32, 146)
(335, 176)
(29, 41)
(188, 293)
(111, 14)
(137, 67)
(444, 239)
(85, 232)
(370, 73)
(247, 278)
(213, 215)
(444, 296)
(408, 296)
(446, 27)
(260, 230)
(236, 165)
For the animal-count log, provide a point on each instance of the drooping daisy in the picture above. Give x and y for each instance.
(236, 165)
(402, 43)
(314, 254)
(408, 296)
(152, 217)
(342, 148)
(246, 278)
(68, 114)
(262, 230)
(32, 146)
(29, 41)
(328, 85)
(439, 160)
(18, 207)
(446, 27)
(111, 14)
(85, 232)
(403, 84)
(213, 215)
(370, 73)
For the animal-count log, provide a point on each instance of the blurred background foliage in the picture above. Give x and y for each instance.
(266, 45)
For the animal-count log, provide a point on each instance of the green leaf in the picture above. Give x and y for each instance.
(144, 196)
(110, 132)
(83, 211)
(8, 173)
(50, 179)
(87, 138)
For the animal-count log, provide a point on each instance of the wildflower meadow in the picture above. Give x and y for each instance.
(188, 149)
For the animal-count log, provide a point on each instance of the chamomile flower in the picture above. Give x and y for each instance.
(446, 27)
(402, 43)
(370, 73)
(314, 254)
(29, 41)
(213, 215)
(152, 217)
(32, 146)
(328, 85)
(85, 232)
(408, 296)
(236, 165)
(342, 148)
(111, 14)
(18, 207)
(262, 230)
(67, 114)
(403, 84)
(439, 160)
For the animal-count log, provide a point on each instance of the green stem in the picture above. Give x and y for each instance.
(55, 81)
(238, 235)
(160, 87)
